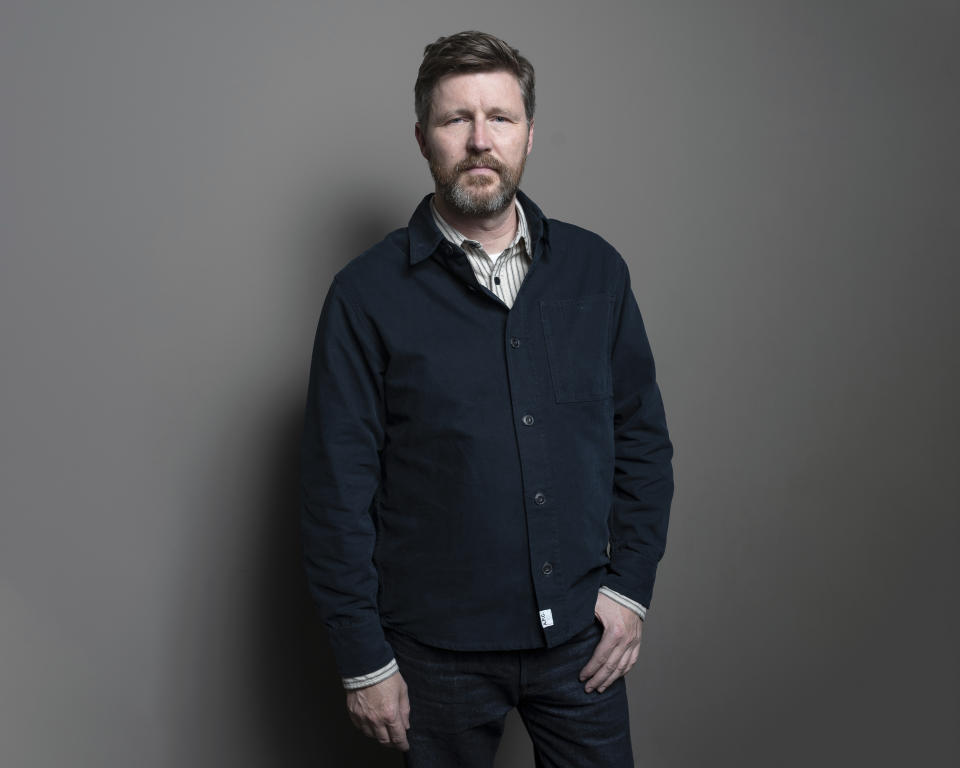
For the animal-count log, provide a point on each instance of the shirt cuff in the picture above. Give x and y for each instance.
(365, 681)
(633, 605)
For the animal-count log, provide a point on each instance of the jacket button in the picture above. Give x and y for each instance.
(539, 497)
(514, 342)
(547, 569)
(527, 419)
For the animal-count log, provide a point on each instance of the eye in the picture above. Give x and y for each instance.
(454, 120)
(500, 119)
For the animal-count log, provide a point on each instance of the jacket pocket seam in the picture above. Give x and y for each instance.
(589, 379)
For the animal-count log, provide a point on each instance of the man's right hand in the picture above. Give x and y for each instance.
(382, 711)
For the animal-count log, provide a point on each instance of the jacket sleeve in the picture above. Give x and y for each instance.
(643, 475)
(340, 474)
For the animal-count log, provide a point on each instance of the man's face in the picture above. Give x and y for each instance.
(477, 141)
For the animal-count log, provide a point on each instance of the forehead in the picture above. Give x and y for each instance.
(478, 90)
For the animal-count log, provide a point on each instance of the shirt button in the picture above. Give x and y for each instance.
(527, 419)
(547, 569)
(539, 498)
(514, 342)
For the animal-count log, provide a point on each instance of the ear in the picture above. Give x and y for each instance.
(421, 140)
(530, 138)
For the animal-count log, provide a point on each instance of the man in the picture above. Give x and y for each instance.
(486, 466)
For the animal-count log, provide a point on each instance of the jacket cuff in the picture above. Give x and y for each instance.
(359, 647)
(365, 681)
(626, 602)
(631, 576)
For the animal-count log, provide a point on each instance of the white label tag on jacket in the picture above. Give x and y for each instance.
(546, 618)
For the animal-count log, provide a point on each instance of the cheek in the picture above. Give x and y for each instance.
(518, 150)
(515, 142)
(440, 152)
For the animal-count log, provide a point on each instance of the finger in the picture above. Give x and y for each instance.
(600, 655)
(606, 656)
(405, 708)
(398, 736)
(627, 661)
(381, 734)
(608, 671)
(607, 668)
(397, 740)
(619, 671)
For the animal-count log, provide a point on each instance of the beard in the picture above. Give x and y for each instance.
(478, 195)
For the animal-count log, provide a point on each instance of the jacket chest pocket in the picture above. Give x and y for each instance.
(577, 335)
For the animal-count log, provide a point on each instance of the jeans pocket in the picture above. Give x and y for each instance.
(577, 336)
(451, 691)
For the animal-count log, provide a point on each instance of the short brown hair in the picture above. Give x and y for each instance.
(470, 51)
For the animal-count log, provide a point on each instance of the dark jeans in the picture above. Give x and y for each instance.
(460, 699)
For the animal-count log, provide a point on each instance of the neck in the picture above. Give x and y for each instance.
(494, 232)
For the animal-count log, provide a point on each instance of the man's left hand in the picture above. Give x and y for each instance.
(618, 648)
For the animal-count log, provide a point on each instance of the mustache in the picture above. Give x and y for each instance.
(479, 161)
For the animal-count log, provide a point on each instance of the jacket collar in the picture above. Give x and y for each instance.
(425, 238)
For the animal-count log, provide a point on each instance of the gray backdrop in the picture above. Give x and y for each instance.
(180, 180)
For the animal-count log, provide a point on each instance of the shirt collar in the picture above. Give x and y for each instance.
(456, 237)
(425, 237)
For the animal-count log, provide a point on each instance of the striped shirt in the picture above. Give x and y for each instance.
(502, 273)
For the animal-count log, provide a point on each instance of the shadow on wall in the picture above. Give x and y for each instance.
(303, 718)
(249, 678)
(303, 713)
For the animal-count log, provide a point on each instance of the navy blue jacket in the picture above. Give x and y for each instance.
(465, 465)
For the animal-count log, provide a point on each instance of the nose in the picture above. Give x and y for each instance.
(479, 139)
